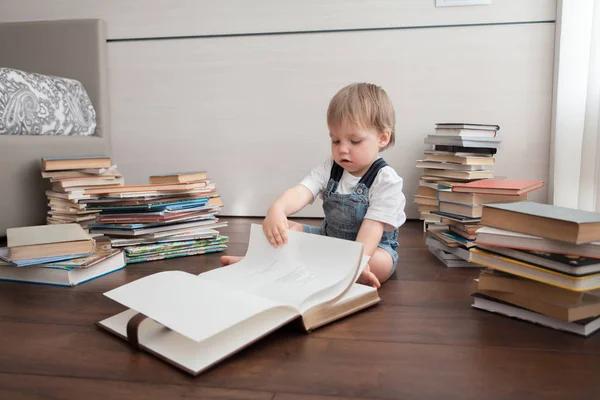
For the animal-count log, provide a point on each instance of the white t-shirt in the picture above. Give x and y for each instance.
(386, 200)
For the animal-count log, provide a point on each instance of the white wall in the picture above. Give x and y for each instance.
(159, 18)
(251, 109)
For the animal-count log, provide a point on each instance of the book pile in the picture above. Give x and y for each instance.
(456, 182)
(458, 152)
(172, 216)
(460, 211)
(62, 255)
(69, 178)
(542, 263)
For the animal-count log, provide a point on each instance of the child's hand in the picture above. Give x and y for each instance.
(368, 278)
(275, 227)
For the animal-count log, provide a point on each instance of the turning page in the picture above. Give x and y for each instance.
(309, 266)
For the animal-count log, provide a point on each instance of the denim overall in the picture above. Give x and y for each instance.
(344, 213)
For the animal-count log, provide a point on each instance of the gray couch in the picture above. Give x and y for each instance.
(68, 48)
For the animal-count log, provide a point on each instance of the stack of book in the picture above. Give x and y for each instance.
(542, 263)
(62, 255)
(460, 209)
(174, 215)
(459, 153)
(69, 178)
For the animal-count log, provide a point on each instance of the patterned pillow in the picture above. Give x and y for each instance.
(35, 104)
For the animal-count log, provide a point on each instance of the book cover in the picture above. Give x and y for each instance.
(553, 222)
(466, 125)
(82, 157)
(179, 177)
(487, 142)
(504, 238)
(490, 186)
(583, 328)
(99, 255)
(549, 211)
(44, 234)
(534, 272)
(63, 275)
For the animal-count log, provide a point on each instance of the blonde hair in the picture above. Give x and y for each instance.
(366, 105)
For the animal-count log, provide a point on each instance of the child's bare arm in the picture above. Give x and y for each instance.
(369, 235)
(290, 202)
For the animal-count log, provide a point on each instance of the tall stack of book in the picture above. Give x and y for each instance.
(460, 209)
(69, 178)
(61, 254)
(542, 262)
(460, 153)
(173, 216)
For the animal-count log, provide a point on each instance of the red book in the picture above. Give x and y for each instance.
(498, 186)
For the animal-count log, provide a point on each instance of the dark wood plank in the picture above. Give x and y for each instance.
(295, 396)
(28, 387)
(299, 363)
(424, 312)
(423, 341)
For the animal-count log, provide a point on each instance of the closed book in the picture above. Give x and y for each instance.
(584, 327)
(429, 201)
(461, 209)
(449, 166)
(552, 222)
(486, 142)
(460, 158)
(571, 264)
(467, 125)
(465, 132)
(463, 149)
(179, 177)
(505, 238)
(461, 175)
(508, 187)
(496, 281)
(476, 199)
(63, 275)
(536, 273)
(48, 241)
(75, 162)
(589, 306)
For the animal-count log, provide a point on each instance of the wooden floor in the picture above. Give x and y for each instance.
(423, 341)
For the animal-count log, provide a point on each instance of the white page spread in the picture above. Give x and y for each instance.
(307, 266)
(195, 308)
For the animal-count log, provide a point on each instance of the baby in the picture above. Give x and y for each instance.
(362, 195)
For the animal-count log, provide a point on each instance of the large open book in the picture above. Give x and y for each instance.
(194, 321)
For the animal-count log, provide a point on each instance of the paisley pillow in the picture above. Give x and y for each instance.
(35, 104)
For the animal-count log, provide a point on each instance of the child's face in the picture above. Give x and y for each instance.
(355, 148)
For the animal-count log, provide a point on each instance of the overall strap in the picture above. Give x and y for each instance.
(336, 172)
(371, 174)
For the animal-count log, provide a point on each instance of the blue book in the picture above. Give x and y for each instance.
(36, 261)
(62, 276)
(181, 205)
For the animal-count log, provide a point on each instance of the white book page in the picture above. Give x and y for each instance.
(197, 309)
(306, 266)
(325, 296)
